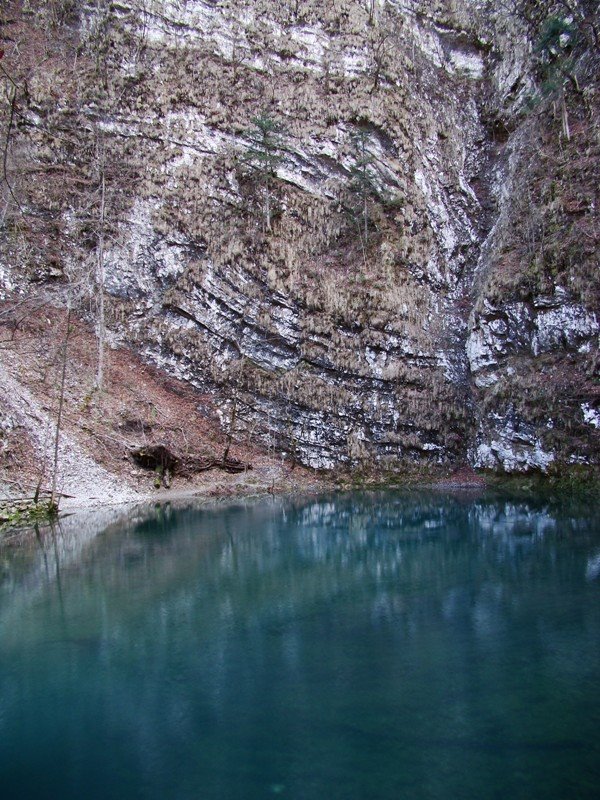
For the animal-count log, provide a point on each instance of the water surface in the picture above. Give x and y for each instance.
(375, 645)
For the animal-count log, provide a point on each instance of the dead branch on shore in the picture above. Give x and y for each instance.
(165, 463)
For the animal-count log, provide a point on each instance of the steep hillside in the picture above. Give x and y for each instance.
(143, 436)
(369, 229)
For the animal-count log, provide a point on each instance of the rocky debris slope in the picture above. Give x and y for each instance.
(138, 410)
(79, 474)
(385, 298)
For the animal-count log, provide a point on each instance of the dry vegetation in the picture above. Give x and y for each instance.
(552, 234)
(546, 245)
(139, 407)
(98, 100)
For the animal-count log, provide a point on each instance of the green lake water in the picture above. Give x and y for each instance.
(369, 645)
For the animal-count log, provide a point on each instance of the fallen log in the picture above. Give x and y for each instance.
(227, 464)
(164, 463)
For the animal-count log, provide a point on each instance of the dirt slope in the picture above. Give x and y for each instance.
(137, 407)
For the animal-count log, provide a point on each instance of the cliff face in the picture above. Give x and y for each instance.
(533, 339)
(417, 281)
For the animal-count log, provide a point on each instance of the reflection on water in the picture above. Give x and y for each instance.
(373, 645)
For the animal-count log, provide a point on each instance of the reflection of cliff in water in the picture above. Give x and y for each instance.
(278, 555)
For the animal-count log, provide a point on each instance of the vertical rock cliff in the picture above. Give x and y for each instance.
(405, 274)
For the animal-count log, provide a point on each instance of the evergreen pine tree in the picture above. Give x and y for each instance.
(266, 152)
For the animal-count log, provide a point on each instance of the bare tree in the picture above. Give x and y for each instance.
(11, 89)
(61, 400)
(101, 321)
(371, 10)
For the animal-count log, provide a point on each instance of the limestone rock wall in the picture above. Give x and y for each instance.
(533, 340)
(414, 343)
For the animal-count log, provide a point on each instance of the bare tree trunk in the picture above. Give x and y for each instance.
(362, 243)
(13, 105)
(565, 118)
(231, 429)
(268, 204)
(61, 399)
(365, 190)
(371, 12)
(100, 276)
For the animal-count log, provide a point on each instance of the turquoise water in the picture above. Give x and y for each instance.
(355, 646)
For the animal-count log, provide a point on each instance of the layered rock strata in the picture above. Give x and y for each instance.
(441, 311)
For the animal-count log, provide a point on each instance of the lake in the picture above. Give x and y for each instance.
(374, 645)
